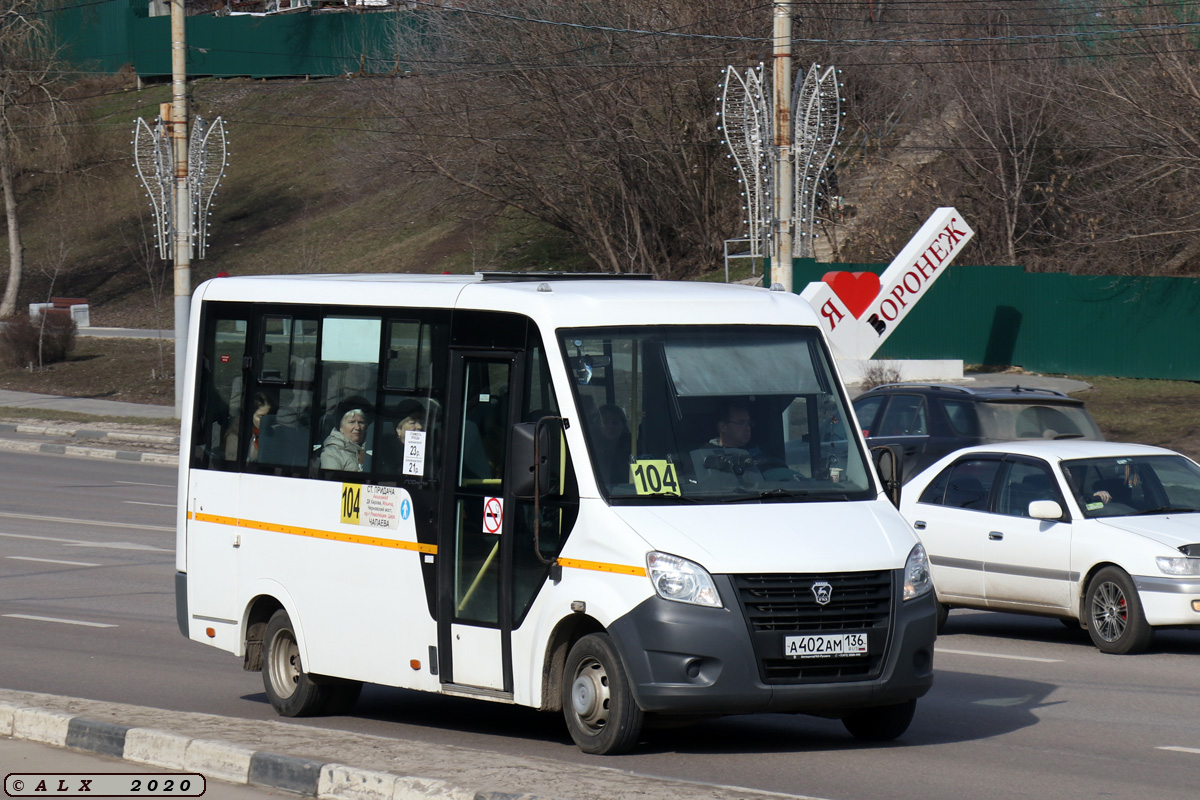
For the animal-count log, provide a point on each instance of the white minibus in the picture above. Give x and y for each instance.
(618, 498)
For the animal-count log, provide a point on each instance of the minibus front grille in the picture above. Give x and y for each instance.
(780, 605)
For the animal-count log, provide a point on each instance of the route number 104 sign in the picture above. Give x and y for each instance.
(654, 476)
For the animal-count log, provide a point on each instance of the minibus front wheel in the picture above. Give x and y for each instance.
(601, 714)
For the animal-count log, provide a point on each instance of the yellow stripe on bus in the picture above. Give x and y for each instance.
(599, 566)
(315, 533)
(291, 530)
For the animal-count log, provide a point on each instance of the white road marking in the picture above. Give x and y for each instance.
(139, 503)
(64, 621)
(997, 655)
(1192, 750)
(53, 561)
(139, 483)
(69, 521)
(84, 543)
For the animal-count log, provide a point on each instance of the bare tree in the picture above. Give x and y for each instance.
(1137, 148)
(595, 118)
(29, 82)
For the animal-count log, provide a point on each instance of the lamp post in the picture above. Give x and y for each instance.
(781, 242)
(182, 211)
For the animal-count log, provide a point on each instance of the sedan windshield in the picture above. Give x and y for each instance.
(713, 414)
(1133, 485)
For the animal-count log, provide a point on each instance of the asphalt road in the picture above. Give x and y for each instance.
(1021, 707)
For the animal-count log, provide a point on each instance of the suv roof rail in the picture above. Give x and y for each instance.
(950, 387)
(918, 385)
(564, 276)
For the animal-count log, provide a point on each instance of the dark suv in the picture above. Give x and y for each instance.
(926, 421)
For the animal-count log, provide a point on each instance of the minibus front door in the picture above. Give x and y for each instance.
(474, 620)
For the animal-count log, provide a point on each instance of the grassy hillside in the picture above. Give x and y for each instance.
(307, 189)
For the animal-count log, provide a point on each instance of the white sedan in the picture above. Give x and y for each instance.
(1102, 533)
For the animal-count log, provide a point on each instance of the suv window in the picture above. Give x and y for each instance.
(963, 419)
(1008, 421)
(866, 409)
(904, 416)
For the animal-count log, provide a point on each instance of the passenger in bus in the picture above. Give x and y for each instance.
(410, 416)
(343, 449)
(613, 445)
(262, 407)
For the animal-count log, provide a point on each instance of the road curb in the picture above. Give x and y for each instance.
(81, 451)
(229, 762)
(88, 433)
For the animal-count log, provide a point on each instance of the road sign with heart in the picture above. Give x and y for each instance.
(860, 310)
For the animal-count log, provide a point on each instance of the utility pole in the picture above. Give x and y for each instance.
(182, 215)
(781, 242)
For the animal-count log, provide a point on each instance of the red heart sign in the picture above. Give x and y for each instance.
(855, 289)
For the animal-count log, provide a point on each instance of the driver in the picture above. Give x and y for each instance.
(734, 426)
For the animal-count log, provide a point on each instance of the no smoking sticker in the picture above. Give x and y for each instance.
(493, 514)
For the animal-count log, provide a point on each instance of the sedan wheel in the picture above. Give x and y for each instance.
(1114, 614)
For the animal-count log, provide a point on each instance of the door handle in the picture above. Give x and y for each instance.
(919, 524)
(995, 536)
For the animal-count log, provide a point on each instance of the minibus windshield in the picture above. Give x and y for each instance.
(713, 414)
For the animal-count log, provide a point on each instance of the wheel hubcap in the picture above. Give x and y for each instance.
(1110, 612)
(284, 664)
(590, 696)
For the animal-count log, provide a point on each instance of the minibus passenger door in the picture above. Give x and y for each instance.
(474, 620)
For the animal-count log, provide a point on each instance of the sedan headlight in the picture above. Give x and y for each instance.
(1179, 565)
(684, 581)
(917, 580)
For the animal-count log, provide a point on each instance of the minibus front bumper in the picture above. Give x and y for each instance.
(691, 660)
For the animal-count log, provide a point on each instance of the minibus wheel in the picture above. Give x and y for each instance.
(601, 714)
(882, 723)
(289, 688)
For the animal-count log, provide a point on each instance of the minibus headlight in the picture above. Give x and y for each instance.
(1179, 565)
(917, 580)
(684, 581)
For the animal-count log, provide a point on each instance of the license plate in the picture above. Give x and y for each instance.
(825, 646)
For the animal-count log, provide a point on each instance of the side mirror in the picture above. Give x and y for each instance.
(1045, 509)
(536, 457)
(888, 464)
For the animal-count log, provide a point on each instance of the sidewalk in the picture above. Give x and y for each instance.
(156, 442)
(324, 763)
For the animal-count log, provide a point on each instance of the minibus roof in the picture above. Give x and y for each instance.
(554, 300)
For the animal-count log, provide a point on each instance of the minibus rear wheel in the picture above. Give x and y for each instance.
(601, 714)
(289, 688)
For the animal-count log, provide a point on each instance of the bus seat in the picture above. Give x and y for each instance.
(282, 445)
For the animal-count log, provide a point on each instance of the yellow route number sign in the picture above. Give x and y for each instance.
(351, 502)
(654, 476)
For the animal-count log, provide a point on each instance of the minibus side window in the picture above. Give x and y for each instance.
(220, 382)
(279, 410)
(349, 375)
(407, 443)
(409, 356)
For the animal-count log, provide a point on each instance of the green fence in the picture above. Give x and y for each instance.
(111, 36)
(1079, 325)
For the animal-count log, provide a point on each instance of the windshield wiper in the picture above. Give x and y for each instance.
(1167, 510)
(772, 494)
